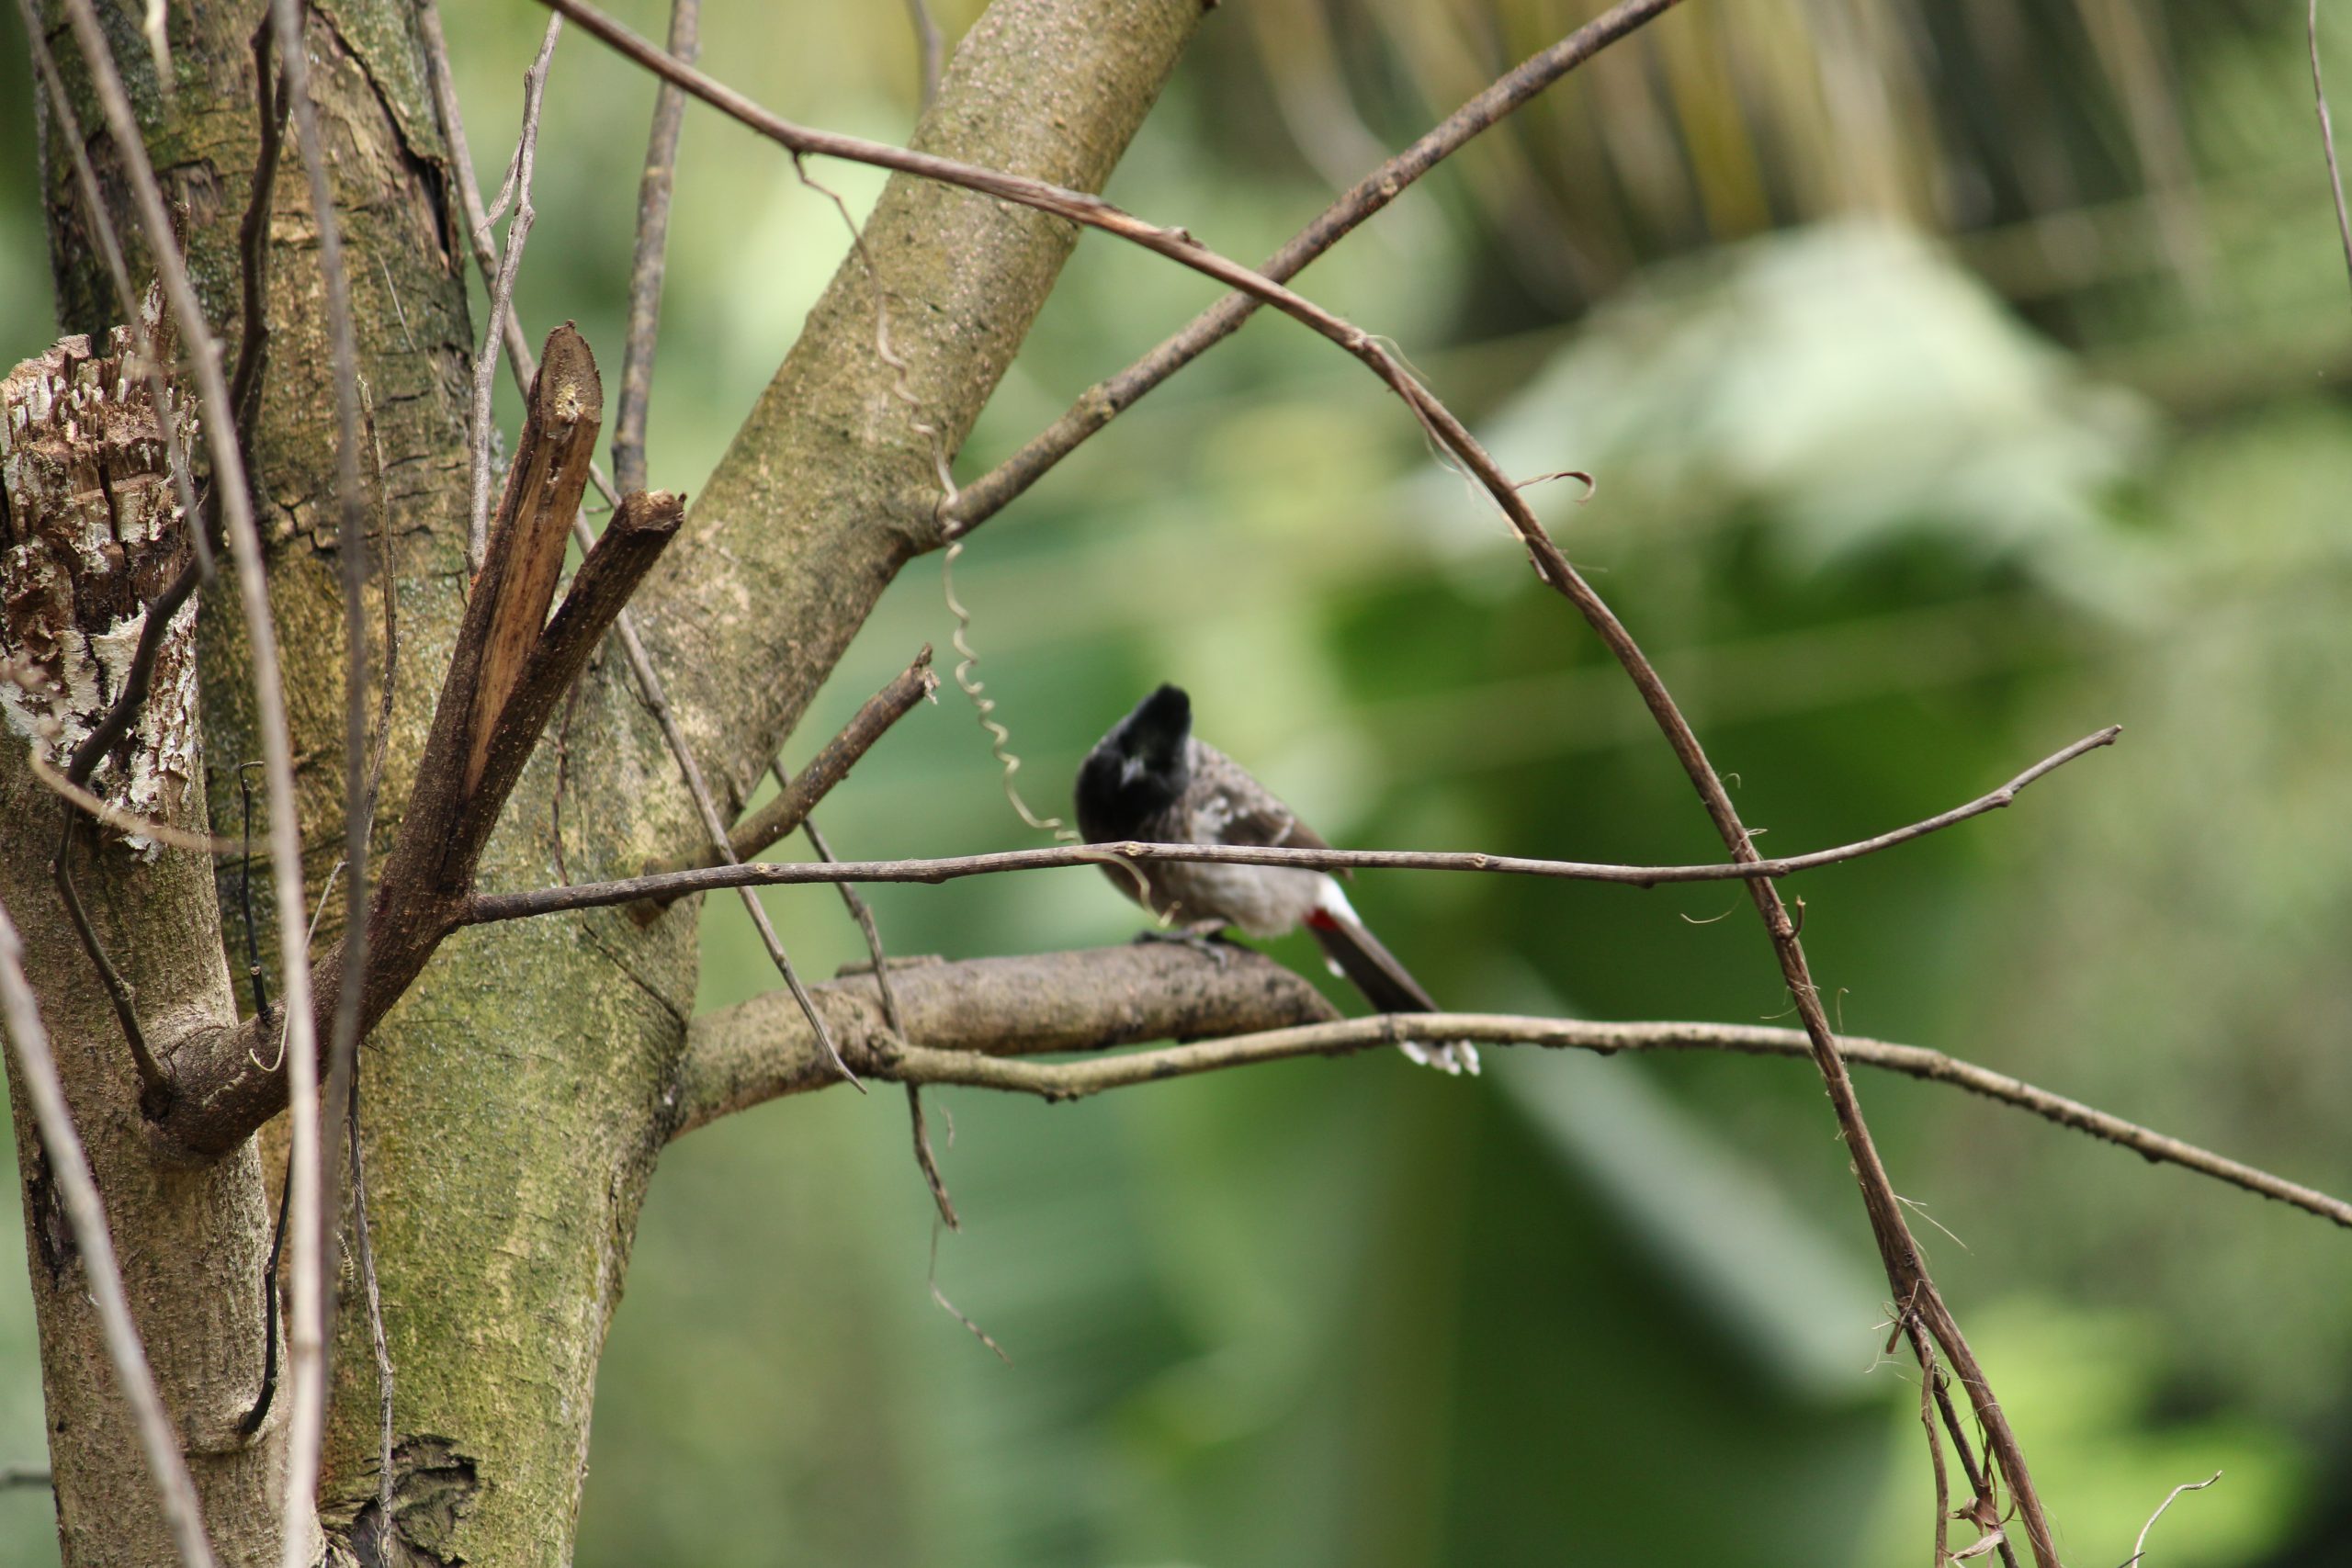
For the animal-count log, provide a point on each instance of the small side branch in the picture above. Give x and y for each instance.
(666, 885)
(86, 1213)
(653, 250)
(982, 1019)
(800, 795)
(1105, 401)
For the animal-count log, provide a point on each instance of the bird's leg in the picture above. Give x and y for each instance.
(1207, 938)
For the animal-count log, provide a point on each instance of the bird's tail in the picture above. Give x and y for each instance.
(1356, 955)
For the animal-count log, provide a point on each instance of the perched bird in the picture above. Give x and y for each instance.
(1151, 780)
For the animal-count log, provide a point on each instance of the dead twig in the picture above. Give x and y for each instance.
(665, 885)
(365, 1249)
(772, 823)
(2327, 141)
(2140, 1547)
(1105, 401)
(1070, 1081)
(931, 44)
(863, 913)
(502, 288)
(311, 1146)
(632, 647)
(85, 1212)
(653, 250)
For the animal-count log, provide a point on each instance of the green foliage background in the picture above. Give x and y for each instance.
(1959, 378)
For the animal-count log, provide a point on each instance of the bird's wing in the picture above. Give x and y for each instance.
(1227, 806)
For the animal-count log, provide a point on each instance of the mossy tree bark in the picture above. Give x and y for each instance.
(517, 1098)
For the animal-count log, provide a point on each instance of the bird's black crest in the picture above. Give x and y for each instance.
(1139, 769)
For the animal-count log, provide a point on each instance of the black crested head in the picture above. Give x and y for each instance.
(1138, 769)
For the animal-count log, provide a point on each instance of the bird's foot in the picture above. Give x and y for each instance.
(1207, 938)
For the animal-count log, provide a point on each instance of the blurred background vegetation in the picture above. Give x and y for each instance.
(1959, 378)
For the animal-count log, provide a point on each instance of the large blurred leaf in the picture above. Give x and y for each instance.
(1851, 382)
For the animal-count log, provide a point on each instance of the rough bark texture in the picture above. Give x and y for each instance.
(518, 1096)
(764, 1048)
(89, 531)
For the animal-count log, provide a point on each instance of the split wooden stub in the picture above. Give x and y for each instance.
(527, 545)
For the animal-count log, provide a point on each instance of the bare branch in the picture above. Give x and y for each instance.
(491, 906)
(85, 1211)
(931, 44)
(1103, 402)
(2328, 145)
(772, 823)
(2140, 1547)
(652, 248)
(918, 1125)
(984, 1066)
(313, 1151)
(502, 290)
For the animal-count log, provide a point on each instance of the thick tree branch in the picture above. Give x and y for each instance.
(760, 1049)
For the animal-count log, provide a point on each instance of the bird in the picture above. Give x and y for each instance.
(1151, 780)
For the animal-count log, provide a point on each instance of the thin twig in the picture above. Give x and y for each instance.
(772, 823)
(653, 250)
(266, 1396)
(252, 237)
(122, 821)
(2327, 140)
(469, 202)
(1980, 1490)
(1928, 1375)
(85, 1212)
(154, 1083)
(657, 700)
(1070, 1080)
(1103, 402)
(2140, 1547)
(672, 885)
(365, 1247)
(502, 287)
(932, 47)
(16, 1475)
(918, 1126)
(311, 1147)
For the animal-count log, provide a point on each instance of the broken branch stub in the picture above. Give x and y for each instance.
(91, 533)
(510, 669)
(544, 485)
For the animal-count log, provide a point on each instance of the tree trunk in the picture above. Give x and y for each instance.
(517, 1098)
